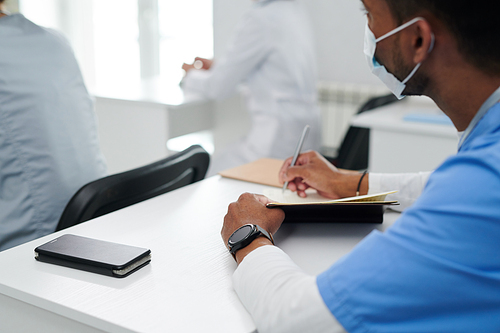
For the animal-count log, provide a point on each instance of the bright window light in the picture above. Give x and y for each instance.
(116, 48)
(105, 37)
(46, 13)
(186, 30)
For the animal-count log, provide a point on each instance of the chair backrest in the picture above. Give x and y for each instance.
(353, 151)
(118, 191)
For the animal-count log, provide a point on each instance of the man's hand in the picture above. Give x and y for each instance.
(251, 209)
(312, 170)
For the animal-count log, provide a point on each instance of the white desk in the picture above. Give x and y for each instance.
(398, 145)
(186, 288)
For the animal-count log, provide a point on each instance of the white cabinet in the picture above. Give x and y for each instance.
(134, 129)
(408, 137)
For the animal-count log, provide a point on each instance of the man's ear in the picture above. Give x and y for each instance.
(422, 40)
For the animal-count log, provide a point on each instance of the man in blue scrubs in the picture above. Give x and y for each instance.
(437, 269)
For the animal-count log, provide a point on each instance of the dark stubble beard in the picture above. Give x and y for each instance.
(418, 83)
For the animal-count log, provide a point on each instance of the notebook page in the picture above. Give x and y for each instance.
(288, 196)
(312, 196)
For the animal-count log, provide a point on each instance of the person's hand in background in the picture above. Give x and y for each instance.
(199, 63)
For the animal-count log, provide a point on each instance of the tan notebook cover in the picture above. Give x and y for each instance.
(262, 171)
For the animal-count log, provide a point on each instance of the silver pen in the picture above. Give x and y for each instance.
(297, 151)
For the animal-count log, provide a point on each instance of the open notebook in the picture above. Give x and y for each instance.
(315, 208)
(291, 198)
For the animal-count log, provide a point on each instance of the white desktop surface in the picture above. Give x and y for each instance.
(187, 286)
(153, 90)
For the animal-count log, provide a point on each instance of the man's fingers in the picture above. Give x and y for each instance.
(292, 186)
(303, 159)
(294, 172)
(302, 186)
(301, 194)
(262, 199)
(284, 169)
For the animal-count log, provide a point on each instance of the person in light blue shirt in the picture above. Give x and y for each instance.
(48, 136)
(437, 269)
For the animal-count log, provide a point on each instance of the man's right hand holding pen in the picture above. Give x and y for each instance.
(312, 170)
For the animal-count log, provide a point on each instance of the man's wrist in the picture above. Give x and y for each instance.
(364, 186)
(256, 243)
(358, 189)
(346, 184)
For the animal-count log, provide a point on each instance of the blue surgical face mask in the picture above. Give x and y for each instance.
(397, 87)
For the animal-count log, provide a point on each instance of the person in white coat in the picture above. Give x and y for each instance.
(273, 54)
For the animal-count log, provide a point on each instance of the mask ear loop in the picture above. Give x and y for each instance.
(433, 41)
(412, 73)
(398, 29)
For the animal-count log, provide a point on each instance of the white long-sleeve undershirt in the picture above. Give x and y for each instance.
(280, 296)
(409, 186)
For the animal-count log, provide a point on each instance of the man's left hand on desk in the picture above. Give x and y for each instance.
(251, 209)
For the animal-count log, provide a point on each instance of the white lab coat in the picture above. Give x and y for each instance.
(272, 53)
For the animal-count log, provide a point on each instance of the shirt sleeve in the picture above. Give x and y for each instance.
(280, 296)
(248, 49)
(408, 185)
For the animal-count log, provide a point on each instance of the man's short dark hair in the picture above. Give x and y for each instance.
(475, 25)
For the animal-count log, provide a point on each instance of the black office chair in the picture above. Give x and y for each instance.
(118, 191)
(353, 151)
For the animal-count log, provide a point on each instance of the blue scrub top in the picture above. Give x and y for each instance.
(438, 268)
(48, 131)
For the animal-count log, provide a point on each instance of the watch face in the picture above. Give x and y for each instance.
(240, 234)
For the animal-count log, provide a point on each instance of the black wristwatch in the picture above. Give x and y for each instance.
(244, 235)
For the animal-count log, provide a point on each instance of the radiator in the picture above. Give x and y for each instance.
(338, 103)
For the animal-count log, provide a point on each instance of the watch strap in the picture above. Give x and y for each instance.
(264, 233)
(257, 231)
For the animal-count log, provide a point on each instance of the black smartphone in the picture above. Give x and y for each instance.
(93, 255)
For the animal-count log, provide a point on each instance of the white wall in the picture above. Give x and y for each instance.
(338, 25)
